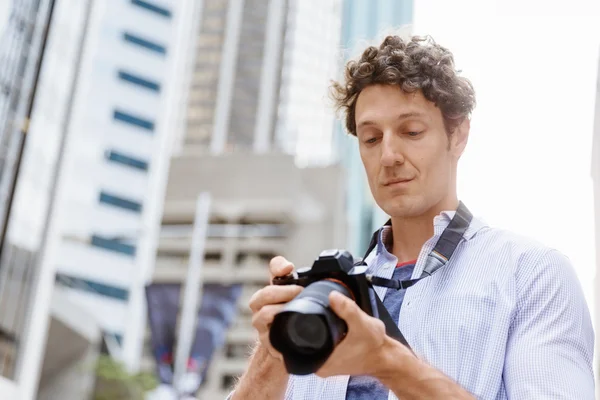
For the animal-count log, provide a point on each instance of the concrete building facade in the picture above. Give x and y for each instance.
(260, 78)
(262, 206)
(238, 61)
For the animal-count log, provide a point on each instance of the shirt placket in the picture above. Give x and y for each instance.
(414, 293)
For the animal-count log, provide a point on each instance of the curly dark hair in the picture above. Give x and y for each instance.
(417, 64)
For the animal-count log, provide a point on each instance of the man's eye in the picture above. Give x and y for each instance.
(414, 133)
(371, 141)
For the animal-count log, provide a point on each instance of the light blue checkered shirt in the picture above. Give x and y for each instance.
(505, 318)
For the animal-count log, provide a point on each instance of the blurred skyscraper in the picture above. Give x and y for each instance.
(125, 108)
(36, 64)
(362, 22)
(21, 39)
(83, 214)
(235, 37)
(261, 75)
(15, 56)
(311, 59)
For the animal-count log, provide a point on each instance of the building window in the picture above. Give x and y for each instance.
(88, 286)
(133, 120)
(129, 161)
(152, 8)
(147, 44)
(114, 245)
(116, 201)
(139, 81)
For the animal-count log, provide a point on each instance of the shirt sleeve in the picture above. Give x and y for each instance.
(550, 343)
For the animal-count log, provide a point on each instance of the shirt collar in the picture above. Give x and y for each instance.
(440, 222)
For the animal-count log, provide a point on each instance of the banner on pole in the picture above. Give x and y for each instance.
(218, 308)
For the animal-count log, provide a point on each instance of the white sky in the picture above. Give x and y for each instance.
(533, 64)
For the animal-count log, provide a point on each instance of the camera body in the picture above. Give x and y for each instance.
(306, 331)
(334, 265)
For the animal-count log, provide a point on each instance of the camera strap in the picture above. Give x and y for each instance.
(437, 258)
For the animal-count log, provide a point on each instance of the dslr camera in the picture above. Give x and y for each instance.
(306, 331)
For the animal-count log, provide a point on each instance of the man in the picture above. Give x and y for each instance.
(504, 318)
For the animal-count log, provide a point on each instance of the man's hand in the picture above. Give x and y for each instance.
(266, 377)
(269, 300)
(361, 351)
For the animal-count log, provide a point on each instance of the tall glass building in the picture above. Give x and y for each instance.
(27, 168)
(83, 168)
(363, 21)
(126, 107)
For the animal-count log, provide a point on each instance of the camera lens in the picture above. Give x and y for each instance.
(308, 332)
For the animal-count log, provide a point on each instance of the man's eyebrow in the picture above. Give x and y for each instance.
(406, 115)
(412, 114)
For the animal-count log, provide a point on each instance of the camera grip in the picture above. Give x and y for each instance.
(285, 280)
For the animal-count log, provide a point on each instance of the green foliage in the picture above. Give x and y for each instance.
(115, 383)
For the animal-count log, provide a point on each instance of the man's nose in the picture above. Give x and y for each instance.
(391, 150)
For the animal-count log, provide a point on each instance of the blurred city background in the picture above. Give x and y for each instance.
(156, 154)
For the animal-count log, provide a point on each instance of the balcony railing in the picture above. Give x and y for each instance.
(228, 231)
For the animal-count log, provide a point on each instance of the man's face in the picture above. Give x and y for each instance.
(408, 156)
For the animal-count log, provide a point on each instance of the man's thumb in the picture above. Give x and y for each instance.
(343, 307)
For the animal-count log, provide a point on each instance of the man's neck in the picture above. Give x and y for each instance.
(410, 234)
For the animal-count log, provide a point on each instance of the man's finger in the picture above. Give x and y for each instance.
(264, 339)
(344, 307)
(262, 320)
(279, 266)
(273, 295)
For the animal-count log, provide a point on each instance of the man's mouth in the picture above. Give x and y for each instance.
(393, 182)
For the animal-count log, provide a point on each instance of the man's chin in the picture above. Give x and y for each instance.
(405, 207)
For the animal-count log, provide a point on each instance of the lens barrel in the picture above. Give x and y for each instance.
(306, 331)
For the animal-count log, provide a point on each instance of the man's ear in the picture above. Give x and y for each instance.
(460, 137)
